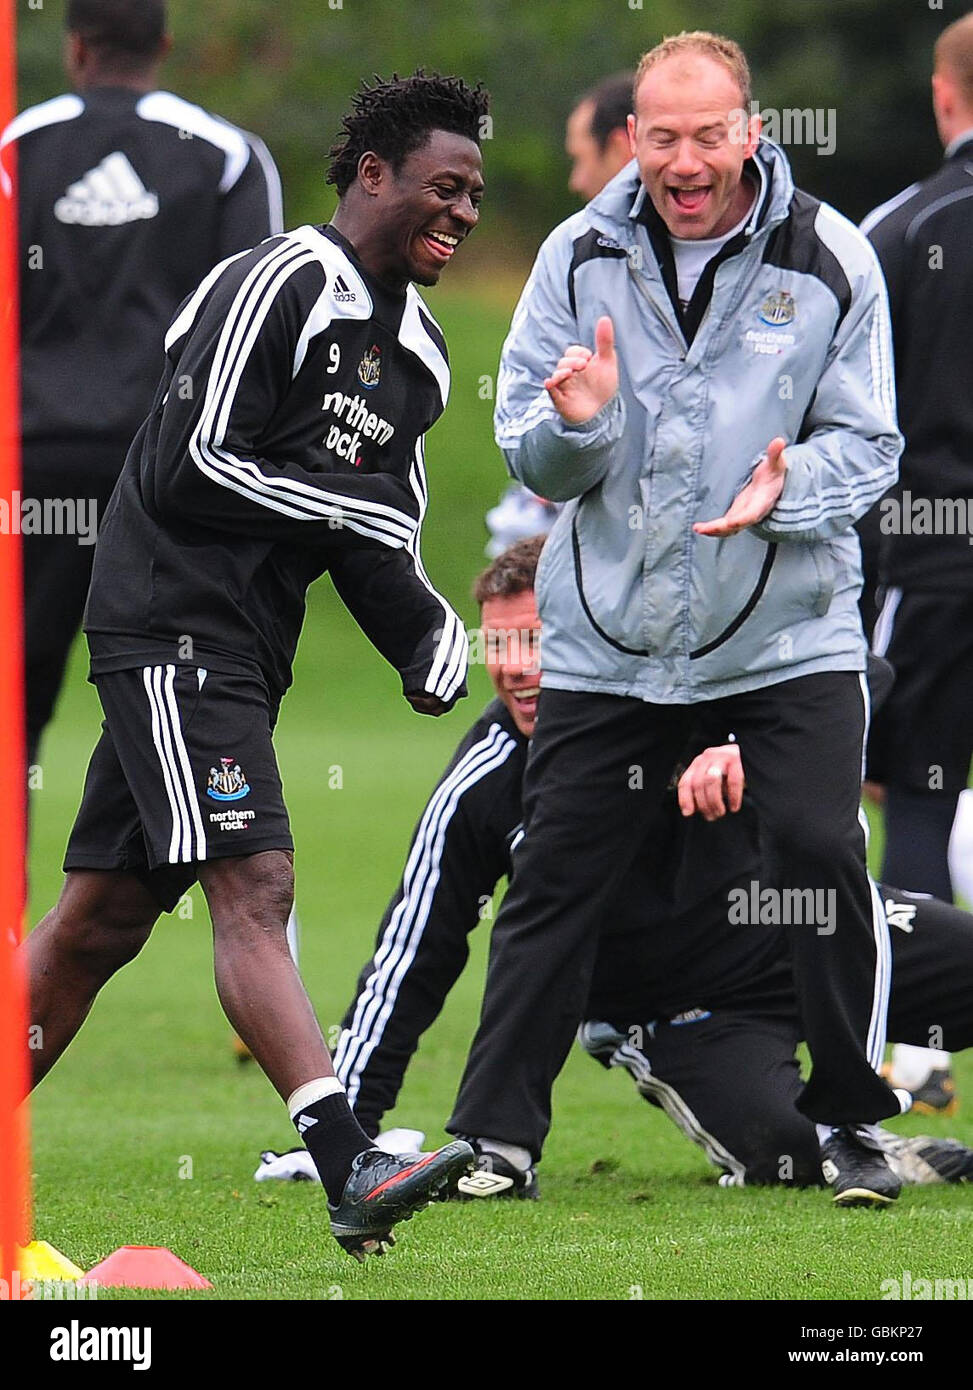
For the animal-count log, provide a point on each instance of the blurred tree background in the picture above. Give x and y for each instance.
(286, 69)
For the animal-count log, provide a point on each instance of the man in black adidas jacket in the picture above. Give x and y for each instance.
(285, 441)
(128, 195)
(921, 742)
(700, 1009)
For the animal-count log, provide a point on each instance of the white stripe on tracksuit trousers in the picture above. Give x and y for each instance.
(875, 1046)
(403, 935)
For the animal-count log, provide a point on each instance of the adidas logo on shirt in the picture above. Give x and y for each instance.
(107, 196)
(342, 293)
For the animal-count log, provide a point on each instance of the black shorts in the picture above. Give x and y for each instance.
(184, 771)
(922, 737)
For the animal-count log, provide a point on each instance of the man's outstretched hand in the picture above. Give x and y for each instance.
(757, 500)
(583, 381)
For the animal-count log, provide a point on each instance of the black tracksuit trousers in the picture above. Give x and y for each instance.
(57, 567)
(598, 766)
(728, 1077)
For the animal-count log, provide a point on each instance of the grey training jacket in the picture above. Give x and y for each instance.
(795, 341)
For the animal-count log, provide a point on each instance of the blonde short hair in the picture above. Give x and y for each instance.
(700, 41)
(954, 51)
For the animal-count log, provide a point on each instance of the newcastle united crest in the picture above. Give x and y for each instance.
(778, 309)
(227, 782)
(370, 367)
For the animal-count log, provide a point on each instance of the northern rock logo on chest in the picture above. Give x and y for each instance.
(777, 311)
(357, 423)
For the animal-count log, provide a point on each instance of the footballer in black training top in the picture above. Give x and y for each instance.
(285, 440)
(132, 194)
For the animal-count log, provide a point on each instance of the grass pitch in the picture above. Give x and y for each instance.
(148, 1132)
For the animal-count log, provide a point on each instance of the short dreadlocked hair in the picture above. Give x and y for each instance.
(394, 118)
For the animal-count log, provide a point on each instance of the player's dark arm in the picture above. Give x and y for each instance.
(233, 352)
(404, 618)
(253, 208)
(455, 860)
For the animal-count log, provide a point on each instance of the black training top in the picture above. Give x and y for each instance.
(923, 239)
(126, 200)
(286, 439)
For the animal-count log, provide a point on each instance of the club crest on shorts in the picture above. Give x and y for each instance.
(227, 782)
(370, 367)
(778, 309)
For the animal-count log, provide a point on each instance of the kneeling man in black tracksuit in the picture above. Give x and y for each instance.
(687, 996)
(688, 1030)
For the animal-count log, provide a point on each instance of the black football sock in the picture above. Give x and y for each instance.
(333, 1137)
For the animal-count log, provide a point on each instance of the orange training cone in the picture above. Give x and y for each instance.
(145, 1267)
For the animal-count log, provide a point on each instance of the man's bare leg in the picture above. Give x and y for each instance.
(100, 922)
(264, 999)
(258, 984)
(262, 994)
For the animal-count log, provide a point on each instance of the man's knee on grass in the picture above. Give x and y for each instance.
(784, 1150)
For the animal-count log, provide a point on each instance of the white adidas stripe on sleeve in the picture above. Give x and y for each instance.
(275, 193)
(288, 496)
(168, 109)
(63, 108)
(407, 923)
(448, 668)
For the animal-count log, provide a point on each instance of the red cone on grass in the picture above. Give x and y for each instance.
(145, 1267)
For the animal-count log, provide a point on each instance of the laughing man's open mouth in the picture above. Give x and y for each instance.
(441, 244)
(689, 197)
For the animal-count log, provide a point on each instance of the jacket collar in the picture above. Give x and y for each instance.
(961, 146)
(624, 200)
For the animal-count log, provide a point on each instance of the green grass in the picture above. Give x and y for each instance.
(149, 1092)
